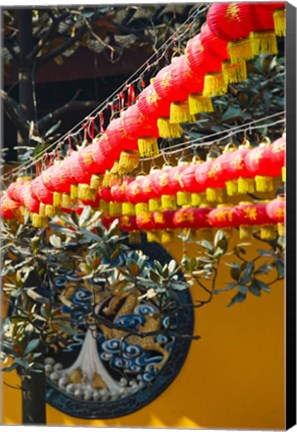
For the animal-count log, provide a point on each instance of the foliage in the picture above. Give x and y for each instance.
(245, 273)
(33, 259)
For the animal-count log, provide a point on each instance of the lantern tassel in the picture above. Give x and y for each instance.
(152, 237)
(245, 232)
(195, 199)
(232, 187)
(129, 160)
(154, 204)
(50, 210)
(57, 199)
(168, 202)
(246, 185)
(38, 221)
(179, 113)
(199, 103)
(284, 174)
(279, 18)
(104, 207)
(240, 50)
(115, 209)
(264, 183)
(167, 129)
(73, 192)
(86, 193)
(128, 209)
(267, 232)
(183, 198)
(281, 229)
(66, 200)
(167, 236)
(140, 208)
(214, 194)
(263, 42)
(42, 210)
(215, 85)
(96, 181)
(234, 72)
(148, 147)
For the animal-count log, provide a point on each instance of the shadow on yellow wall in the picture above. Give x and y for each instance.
(234, 376)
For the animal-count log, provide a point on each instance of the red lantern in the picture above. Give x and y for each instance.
(164, 223)
(259, 165)
(15, 189)
(192, 218)
(152, 105)
(246, 215)
(105, 193)
(117, 137)
(128, 223)
(145, 221)
(210, 177)
(238, 174)
(190, 192)
(164, 90)
(208, 64)
(193, 83)
(106, 148)
(134, 193)
(8, 208)
(222, 217)
(278, 154)
(93, 160)
(276, 211)
(118, 191)
(248, 26)
(162, 188)
(139, 126)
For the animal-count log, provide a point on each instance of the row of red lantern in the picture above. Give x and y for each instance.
(236, 170)
(245, 216)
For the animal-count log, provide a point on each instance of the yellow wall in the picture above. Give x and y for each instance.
(233, 376)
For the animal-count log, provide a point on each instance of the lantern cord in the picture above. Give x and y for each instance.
(146, 66)
(228, 134)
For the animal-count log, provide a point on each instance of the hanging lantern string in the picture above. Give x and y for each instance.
(228, 134)
(48, 157)
(133, 79)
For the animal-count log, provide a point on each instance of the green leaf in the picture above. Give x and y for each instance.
(67, 329)
(255, 290)
(238, 298)
(242, 289)
(264, 252)
(218, 237)
(85, 216)
(248, 272)
(231, 113)
(263, 269)
(154, 276)
(280, 267)
(263, 286)
(206, 245)
(235, 273)
(31, 346)
(55, 241)
(229, 287)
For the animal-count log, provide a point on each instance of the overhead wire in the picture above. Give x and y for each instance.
(147, 65)
(225, 134)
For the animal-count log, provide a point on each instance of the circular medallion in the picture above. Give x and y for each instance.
(107, 372)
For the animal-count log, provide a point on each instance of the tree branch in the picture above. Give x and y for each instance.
(80, 32)
(14, 112)
(47, 36)
(12, 51)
